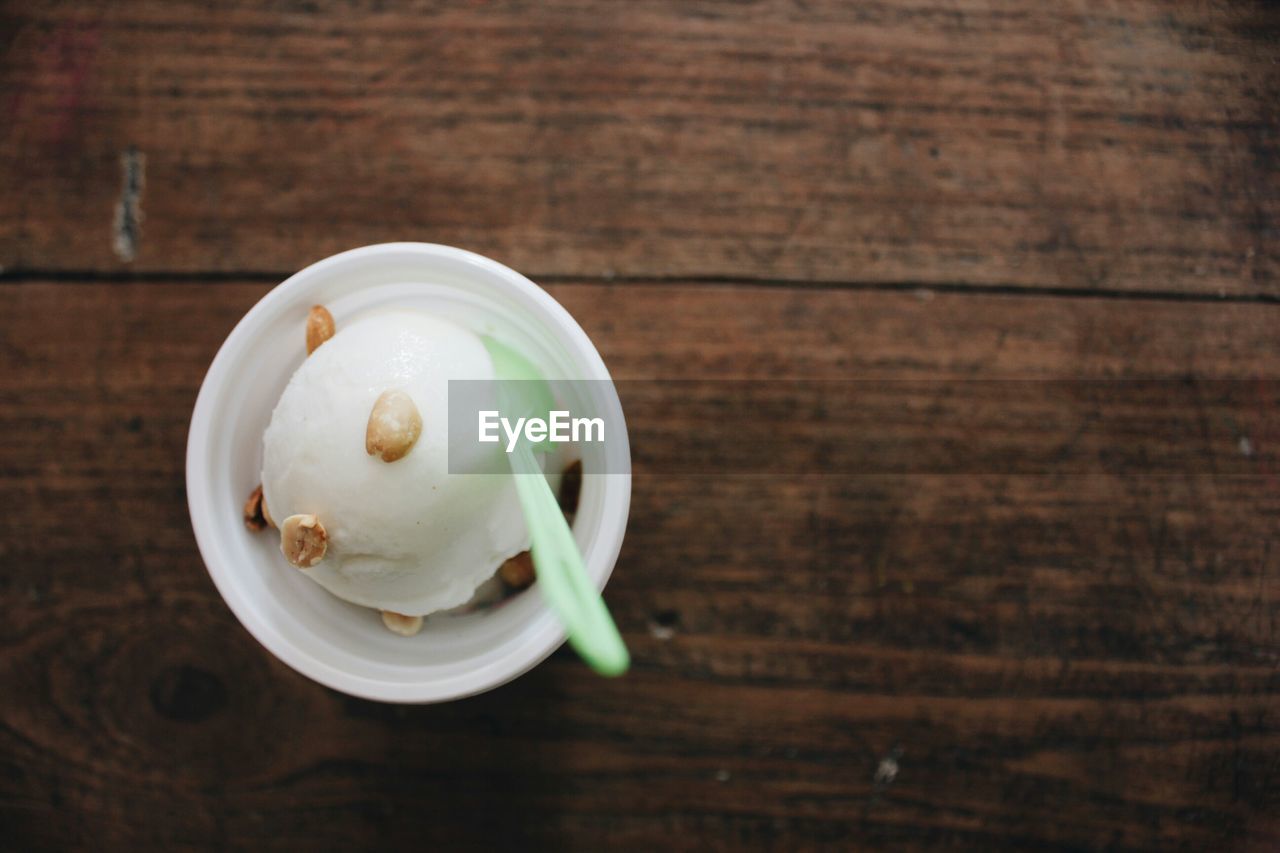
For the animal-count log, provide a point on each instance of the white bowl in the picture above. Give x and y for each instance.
(339, 644)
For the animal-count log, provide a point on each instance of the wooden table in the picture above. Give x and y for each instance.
(877, 643)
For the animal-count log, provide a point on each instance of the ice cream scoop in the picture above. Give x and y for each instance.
(358, 440)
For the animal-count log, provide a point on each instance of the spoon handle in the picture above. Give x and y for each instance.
(562, 576)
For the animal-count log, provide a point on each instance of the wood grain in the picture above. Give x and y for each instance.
(942, 660)
(1130, 147)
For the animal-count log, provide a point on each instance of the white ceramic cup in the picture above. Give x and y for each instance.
(339, 644)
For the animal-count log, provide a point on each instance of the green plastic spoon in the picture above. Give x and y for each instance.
(523, 393)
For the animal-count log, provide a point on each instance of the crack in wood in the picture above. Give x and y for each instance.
(127, 225)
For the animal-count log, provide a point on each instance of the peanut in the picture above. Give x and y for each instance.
(398, 623)
(394, 426)
(518, 572)
(319, 327)
(303, 540)
(254, 516)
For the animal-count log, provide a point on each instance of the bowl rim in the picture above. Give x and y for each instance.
(528, 650)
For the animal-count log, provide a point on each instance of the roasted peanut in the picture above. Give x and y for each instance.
(398, 623)
(303, 540)
(394, 426)
(254, 516)
(518, 572)
(319, 327)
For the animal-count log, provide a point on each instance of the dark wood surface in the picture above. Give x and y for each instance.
(1019, 591)
(1127, 148)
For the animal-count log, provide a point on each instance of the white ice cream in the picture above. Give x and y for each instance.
(406, 536)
